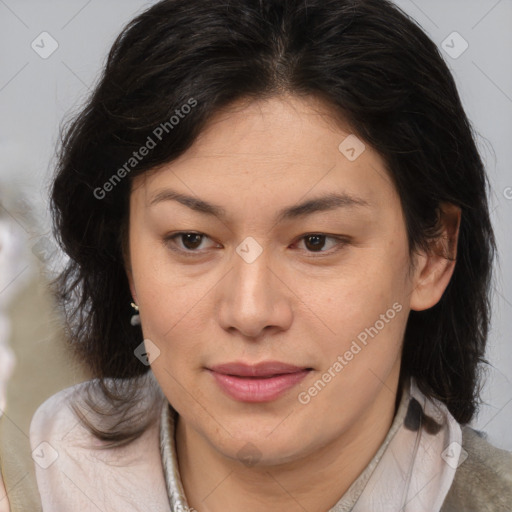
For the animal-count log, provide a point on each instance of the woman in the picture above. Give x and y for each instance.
(280, 265)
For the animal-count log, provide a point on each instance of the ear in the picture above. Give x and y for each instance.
(435, 267)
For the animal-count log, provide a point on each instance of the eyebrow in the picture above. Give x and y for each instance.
(319, 204)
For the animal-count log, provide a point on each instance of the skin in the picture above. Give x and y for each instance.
(296, 302)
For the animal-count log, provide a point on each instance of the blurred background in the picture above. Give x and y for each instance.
(52, 53)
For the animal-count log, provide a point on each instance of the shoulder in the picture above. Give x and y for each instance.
(76, 471)
(59, 418)
(483, 480)
(55, 414)
(88, 400)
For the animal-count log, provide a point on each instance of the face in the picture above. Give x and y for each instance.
(274, 239)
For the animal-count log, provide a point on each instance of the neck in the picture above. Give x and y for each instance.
(214, 483)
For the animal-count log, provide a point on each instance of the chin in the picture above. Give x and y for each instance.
(270, 446)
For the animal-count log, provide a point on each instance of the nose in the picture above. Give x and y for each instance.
(254, 298)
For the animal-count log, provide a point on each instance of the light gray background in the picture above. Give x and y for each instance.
(36, 93)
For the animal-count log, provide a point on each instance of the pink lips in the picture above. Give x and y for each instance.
(262, 382)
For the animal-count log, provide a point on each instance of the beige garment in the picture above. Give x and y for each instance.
(144, 475)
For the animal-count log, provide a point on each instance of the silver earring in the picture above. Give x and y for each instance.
(135, 320)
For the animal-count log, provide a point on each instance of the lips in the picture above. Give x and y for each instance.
(263, 369)
(261, 382)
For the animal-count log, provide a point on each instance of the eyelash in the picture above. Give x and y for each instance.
(168, 240)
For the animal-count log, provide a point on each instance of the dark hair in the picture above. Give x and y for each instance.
(380, 73)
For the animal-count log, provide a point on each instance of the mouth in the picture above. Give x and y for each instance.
(262, 382)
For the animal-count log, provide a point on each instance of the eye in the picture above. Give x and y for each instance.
(190, 241)
(314, 242)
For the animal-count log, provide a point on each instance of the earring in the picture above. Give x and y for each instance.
(135, 320)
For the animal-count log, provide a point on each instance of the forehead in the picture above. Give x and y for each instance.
(264, 150)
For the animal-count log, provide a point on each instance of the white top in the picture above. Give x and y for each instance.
(411, 469)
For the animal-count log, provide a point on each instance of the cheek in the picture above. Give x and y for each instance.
(362, 345)
(365, 303)
(367, 326)
(165, 292)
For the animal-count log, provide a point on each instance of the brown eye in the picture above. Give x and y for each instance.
(191, 240)
(185, 242)
(316, 242)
